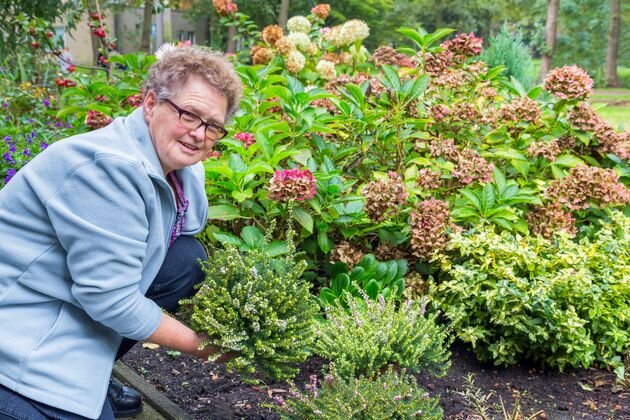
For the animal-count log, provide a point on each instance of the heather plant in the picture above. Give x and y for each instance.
(256, 306)
(391, 395)
(372, 334)
(554, 301)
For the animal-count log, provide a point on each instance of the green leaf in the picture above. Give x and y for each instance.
(303, 218)
(223, 212)
(413, 36)
(341, 283)
(324, 242)
(252, 237)
(509, 153)
(372, 289)
(241, 196)
(236, 164)
(521, 166)
(472, 197)
(567, 161)
(227, 238)
(276, 248)
(327, 296)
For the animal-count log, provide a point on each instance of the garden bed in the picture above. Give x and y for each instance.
(206, 391)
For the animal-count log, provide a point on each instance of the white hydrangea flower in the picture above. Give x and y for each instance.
(299, 24)
(355, 30)
(300, 40)
(165, 49)
(326, 69)
(295, 61)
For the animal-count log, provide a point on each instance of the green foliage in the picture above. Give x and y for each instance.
(507, 49)
(392, 395)
(374, 334)
(369, 276)
(558, 302)
(256, 306)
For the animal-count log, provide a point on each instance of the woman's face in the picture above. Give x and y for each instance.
(178, 146)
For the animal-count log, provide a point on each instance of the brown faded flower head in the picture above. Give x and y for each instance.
(569, 82)
(583, 117)
(389, 56)
(521, 109)
(610, 141)
(321, 10)
(547, 149)
(384, 197)
(97, 119)
(347, 253)
(471, 167)
(271, 34)
(292, 184)
(261, 55)
(437, 64)
(464, 46)
(587, 186)
(549, 219)
(429, 179)
(429, 223)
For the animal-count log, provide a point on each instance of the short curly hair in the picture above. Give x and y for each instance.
(176, 65)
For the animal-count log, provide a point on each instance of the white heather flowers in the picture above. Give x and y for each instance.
(300, 40)
(326, 69)
(295, 61)
(299, 24)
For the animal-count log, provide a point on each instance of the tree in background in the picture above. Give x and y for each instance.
(551, 25)
(612, 79)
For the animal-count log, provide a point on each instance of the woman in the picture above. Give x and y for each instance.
(93, 224)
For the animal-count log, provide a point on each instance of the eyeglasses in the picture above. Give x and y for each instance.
(192, 121)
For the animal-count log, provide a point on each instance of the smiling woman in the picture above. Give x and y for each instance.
(109, 243)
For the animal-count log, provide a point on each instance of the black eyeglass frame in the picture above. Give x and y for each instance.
(181, 111)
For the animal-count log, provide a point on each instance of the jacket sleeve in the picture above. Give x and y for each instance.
(99, 215)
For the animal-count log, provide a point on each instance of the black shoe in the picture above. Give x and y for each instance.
(125, 401)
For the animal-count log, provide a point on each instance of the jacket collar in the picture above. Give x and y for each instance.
(139, 129)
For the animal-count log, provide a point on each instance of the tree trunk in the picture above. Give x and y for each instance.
(283, 16)
(147, 20)
(231, 43)
(614, 28)
(551, 27)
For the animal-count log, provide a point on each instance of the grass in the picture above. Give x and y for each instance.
(617, 109)
(616, 115)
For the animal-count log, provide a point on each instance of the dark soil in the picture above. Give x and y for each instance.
(206, 391)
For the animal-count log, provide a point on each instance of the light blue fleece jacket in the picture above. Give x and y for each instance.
(84, 229)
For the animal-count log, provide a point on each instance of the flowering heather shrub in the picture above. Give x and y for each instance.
(569, 82)
(547, 149)
(97, 119)
(292, 184)
(587, 186)
(393, 395)
(388, 55)
(271, 34)
(257, 306)
(383, 198)
(295, 61)
(321, 10)
(463, 46)
(247, 138)
(550, 219)
(557, 301)
(521, 109)
(299, 24)
(373, 334)
(429, 224)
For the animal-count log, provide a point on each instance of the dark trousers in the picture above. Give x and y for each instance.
(176, 279)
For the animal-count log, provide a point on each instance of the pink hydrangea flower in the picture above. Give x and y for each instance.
(247, 138)
(292, 184)
(569, 82)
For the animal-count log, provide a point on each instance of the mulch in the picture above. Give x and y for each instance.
(206, 391)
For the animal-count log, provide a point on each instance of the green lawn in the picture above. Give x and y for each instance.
(616, 116)
(617, 109)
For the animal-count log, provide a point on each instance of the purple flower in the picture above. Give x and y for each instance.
(30, 120)
(8, 158)
(68, 125)
(4, 104)
(10, 174)
(27, 152)
(12, 148)
(46, 102)
(43, 145)
(7, 138)
(57, 124)
(48, 122)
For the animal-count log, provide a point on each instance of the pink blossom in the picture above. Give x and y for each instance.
(292, 184)
(247, 138)
(569, 82)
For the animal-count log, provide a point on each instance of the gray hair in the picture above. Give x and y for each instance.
(176, 65)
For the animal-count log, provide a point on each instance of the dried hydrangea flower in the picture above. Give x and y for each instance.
(301, 41)
(292, 184)
(583, 117)
(547, 149)
(429, 179)
(389, 56)
(586, 186)
(437, 64)
(569, 82)
(445, 148)
(321, 10)
(326, 69)
(225, 7)
(271, 34)
(439, 112)
(97, 119)
(295, 61)
(521, 109)
(549, 219)
(261, 55)
(299, 24)
(464, 46)
(429, 223)
(134, 100)
(471, 167)
(284, 45)
(347, 253)
(387, 252)
(384, 198)
(613, 142)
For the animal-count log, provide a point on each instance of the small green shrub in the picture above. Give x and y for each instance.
(554, 301)
(390, 396)
(507, 49)
(374, 334)
(258, 307)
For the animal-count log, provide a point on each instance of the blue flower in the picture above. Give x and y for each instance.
(12, 148)
(8, 158)
(27, 152)
(7, 138)
(10, 174)
(43, 145)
